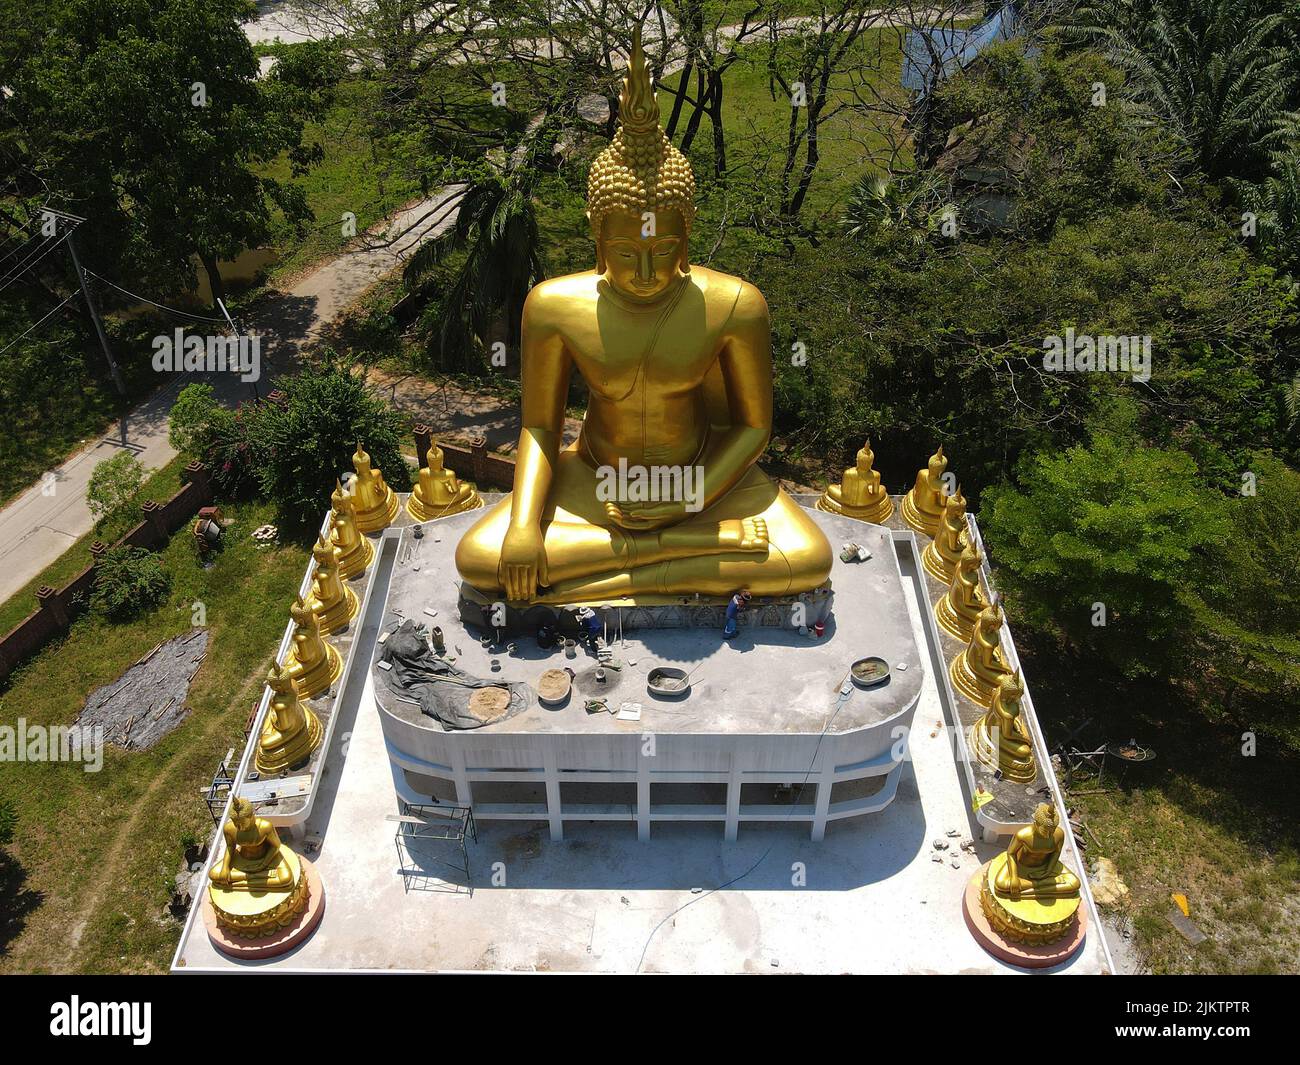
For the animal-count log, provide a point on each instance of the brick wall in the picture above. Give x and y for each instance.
(57, 608)
(475, 463)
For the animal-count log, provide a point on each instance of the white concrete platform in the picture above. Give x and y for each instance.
(868, 898)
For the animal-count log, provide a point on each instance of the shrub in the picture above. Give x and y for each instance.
(200, 426)
(232, 452)
(1118, 525)
(129, 581)
(113, 486)
(189, 425)
(304, 445)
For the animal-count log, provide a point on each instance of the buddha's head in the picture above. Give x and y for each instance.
(339, 498)
(241, 811)
(937, 464)
(278, 679)
(323, 551)
(302, 614)
(1045, 818)
(990, 618)
(640, 196)
(1011, 690)
(956, 503)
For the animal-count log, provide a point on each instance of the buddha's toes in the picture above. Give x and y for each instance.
(743, 534)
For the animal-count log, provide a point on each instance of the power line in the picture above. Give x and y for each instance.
(38, 324)
(152, 303)
(31, 261)
(22, 246)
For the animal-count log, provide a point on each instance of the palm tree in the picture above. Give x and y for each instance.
(1221, 73)
(1275, 204)
(914, 205)
(496, 226)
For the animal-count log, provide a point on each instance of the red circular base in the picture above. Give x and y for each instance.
(1026, 955)
(285, 939)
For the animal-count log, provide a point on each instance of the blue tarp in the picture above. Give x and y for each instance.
(951, 49)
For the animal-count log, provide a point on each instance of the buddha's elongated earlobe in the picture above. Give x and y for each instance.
(595, 236)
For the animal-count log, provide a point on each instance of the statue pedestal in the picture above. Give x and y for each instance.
(657, 612)
(282, 939)
(1036, 917)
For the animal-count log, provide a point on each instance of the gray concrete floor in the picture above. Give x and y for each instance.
(867, 899)
(734, 686)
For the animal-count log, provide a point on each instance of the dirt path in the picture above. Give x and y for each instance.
(43, 522)
(108, 868)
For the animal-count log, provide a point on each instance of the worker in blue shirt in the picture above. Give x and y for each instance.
(590, 625)
(738, 603)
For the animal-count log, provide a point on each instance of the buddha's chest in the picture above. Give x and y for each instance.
(624, 356)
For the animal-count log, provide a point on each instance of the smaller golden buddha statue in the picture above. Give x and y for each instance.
(440, 492)
(961, 604)
(1000, 738)
(923, 505)
(313, 663)
(859, 494)
(333, 603)
(258, 887)
(291, 731)
(1027, 894)
(374, 503)
(977, 670)
(355, 551)
(943, 552)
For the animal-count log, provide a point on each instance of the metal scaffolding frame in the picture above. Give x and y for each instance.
(439, 823)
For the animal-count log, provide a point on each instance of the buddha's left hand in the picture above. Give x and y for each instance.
(646, 516)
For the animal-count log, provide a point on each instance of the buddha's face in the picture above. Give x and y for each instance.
(641, 260)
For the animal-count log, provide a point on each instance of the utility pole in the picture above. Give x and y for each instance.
(90, 303)
(234, 331)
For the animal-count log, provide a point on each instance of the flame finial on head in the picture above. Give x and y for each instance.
(641, 170)
(638, 107)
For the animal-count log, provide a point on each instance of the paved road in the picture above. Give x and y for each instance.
(43, 522)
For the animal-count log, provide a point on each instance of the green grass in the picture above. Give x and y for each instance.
(94, 855)
(355, 175)
(1202, 820)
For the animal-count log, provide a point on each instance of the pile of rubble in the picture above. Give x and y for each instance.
(148, 700)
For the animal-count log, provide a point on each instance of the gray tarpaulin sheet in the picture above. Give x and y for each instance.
(442, 690)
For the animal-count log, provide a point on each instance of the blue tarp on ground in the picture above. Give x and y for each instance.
(951, 49)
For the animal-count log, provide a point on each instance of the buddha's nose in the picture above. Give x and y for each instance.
(646, 266)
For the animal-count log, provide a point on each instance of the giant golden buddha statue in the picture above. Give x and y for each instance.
(678, 365)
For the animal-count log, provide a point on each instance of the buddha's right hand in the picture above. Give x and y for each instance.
(523, 562)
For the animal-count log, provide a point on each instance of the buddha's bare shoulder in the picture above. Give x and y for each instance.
(563, 289)
(744, 302)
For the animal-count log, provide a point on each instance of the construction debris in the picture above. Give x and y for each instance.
(1107, 887)
(146, 702)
